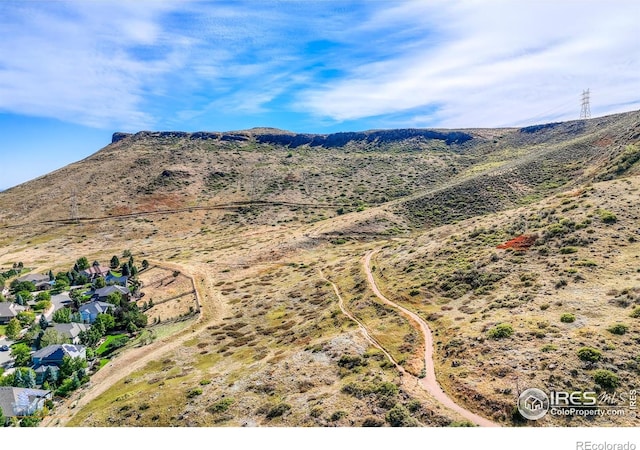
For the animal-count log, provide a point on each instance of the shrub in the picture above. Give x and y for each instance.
(608, 216)
(502, 330)
(606, 378)
(618, 328)
(548, 348)
(567, 318)
(221, 405)
(278, 410)
(398, 416)
(350, 362)
(568, 250)
(414, 405)
(337, 416)
(194, 393)
(589, 354)
(372, 421)
(635, 313)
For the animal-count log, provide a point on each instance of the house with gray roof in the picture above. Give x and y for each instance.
(102, 293)
(41, 281)
(20, 402)
(53, 354)
(9, 311)
(71, 330)
(89, 311)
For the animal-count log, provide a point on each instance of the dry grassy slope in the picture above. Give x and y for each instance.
(151, 171)
(260, 264)
(458, 280)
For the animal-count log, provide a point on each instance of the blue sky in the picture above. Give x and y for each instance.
(73, 72)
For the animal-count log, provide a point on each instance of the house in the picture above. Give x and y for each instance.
(19, 402)
(112, 279)
(53, 354)
(71, 330)
(9, 311)
(94, 272)
(41, 372)
(102, 293)
(89, 311)
(533, 403)
(41, 282)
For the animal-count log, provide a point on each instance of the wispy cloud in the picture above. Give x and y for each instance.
(185, 64)
(492, 63)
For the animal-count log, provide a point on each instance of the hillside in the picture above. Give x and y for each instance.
(266, 220)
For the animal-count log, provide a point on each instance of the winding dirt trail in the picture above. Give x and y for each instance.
(429, 382)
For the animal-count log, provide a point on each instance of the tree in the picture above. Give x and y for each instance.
(63, 315)
(19, 299)
(90, 337)
(52, 336)
(125, 270)
(134, 271)
(51, 277)
(82, 264)
(21, 354)
(105, 322)
(115, 262)
(25, 296)
(95, 264)
(44, 323)
(115, 298)
(51, 376)
(26, 318)
(13, 329)
(99, 283)
(29, 379)
(126, 254)
(2, 419)
(43, 296)
(145, 264)
(17, 286)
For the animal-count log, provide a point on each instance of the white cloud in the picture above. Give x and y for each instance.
(493, 63)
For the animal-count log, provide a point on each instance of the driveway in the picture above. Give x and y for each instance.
(58, 301)
(6, 360)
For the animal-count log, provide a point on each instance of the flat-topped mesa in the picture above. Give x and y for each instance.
(293, 140)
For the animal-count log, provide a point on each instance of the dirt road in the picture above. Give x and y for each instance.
(429, 382)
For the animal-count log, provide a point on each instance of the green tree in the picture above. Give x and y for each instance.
(145, 264)
(115, 262)
(125, 270)
(52, 336)
(82, 264)
(13, 329)
(105, 322)
(21, 354)
(26, 318)
(63, 315)
(26, 296)
(115, 298)
(2, 419)
(43, 296)
(17, 286)
(44, 323)
(398, 416)
(51, 277)
(99, 283)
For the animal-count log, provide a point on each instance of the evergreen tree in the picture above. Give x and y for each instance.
(2, 418)
(29, 379)
(19, 299)
(44, 323)
(18, 381)
(125, 270)
(115, 262)
(145, 264)
(51, 277)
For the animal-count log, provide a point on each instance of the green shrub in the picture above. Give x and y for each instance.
(635, 313)
(608, 216)
(567, 250)
(398, 416)
(372, 421)
(351, 361)
(414, 405)
(606, 378)
(549, 348)
(221, 405)
(337, 416)
(618, 328)
(567, 318)
(500, 331)
(278, 410)
(194, 393)
(589, 354)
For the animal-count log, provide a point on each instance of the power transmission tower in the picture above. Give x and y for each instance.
(585, 112)
(74, 206)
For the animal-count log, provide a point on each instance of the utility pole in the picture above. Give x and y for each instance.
(585, 111)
